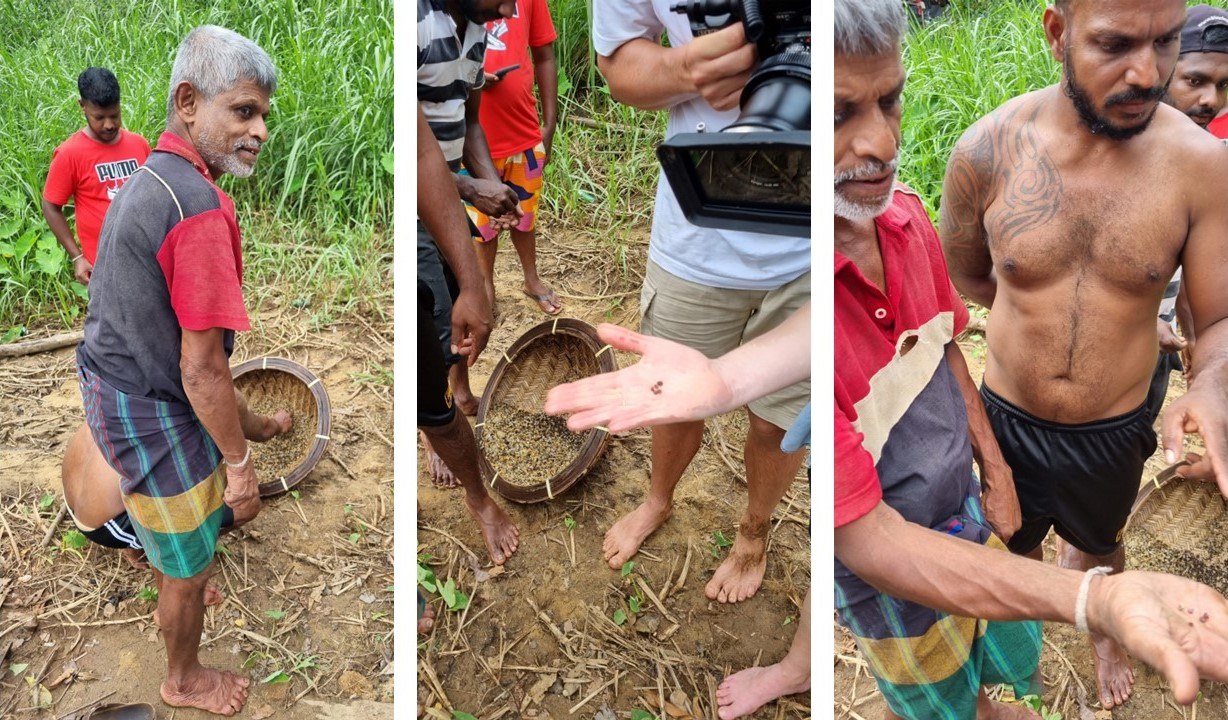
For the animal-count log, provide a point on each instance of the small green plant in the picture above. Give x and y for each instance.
(1033, 702)
(46, 500)
(253, 659)
(73, 540)
(148, 594)
(642, 714)
(275, 614)
(276, 678)
(569, 522)
(718, 542)
(627, 568)
(453, 598)
(458, 715)
(620, 616)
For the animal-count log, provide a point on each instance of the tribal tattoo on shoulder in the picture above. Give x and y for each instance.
(1002, 151)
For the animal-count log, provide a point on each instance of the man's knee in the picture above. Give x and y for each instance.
(764, 431)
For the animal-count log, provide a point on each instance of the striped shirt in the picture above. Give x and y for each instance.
(448, 68)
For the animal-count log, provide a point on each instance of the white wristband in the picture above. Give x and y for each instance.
(78, 257)
(246, 456)
(1081, 600)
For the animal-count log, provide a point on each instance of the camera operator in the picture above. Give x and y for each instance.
(709, 289)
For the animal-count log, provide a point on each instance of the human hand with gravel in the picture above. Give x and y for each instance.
(673, 383)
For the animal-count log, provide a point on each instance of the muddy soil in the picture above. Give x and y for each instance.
(538, 639)
(308, 614)
(1066, 662)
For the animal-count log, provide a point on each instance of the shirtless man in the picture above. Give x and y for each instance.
(1051, 215)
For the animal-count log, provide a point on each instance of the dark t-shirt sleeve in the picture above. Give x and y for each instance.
(202, 273)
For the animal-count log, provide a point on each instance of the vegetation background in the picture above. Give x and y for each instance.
(317, 213)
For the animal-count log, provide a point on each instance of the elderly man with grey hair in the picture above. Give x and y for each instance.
(165, 303)
(918, 562)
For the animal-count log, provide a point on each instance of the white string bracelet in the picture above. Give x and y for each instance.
(246, 456)
(1081, 599)
(78, 257)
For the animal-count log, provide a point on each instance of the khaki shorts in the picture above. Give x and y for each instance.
(717, 320)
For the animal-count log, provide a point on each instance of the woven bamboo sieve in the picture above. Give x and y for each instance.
(293, 387)
(1177, 526)
(554, 352)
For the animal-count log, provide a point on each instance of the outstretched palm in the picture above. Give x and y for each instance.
(670, 383)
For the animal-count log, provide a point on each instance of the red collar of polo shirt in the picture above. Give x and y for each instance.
(889, 225)
(176, 145)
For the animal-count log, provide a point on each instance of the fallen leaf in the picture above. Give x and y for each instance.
(367, 598)
(263, 712)
(40, 696)
(538, 691)
(605, 713)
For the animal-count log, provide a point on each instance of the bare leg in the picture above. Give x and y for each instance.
(673, 446)
(457, 448)
(746, 691)
(462, 396)
(525, 242)
(487, 251)
(441, 475)
(1114, 676)
(769, 472)
(188, 683)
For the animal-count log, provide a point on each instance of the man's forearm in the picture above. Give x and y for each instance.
(54, 215)
(1211, 357)
(777, 359)
(440, 210)
(646, 75)
(930, 568)
(211, 393)
(546, 75)
(985, 447)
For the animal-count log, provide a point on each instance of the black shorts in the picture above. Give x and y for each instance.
(1165, 365)
(434, 397)
(117, 532)
(1081, 480)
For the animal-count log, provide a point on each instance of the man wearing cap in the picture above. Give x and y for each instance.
(1067, 210)
(1200, 90)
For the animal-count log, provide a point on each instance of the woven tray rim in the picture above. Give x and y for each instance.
(323, 417)
(596, 441)
(1152, 490)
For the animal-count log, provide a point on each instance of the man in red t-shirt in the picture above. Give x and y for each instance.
(519, 53)
(91, 166)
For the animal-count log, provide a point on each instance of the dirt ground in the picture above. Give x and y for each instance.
(309, 582)
(1066, 663)
(537, 640)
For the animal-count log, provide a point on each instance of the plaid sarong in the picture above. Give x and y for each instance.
(171, 472)
(930, 665)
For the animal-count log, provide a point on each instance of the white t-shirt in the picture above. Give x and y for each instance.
(709, 256)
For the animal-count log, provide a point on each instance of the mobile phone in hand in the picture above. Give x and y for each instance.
(504, 71)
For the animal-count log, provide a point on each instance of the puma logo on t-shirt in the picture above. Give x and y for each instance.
(117, 170)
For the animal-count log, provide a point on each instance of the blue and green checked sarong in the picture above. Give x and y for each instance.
(171, 472)
(930, 665)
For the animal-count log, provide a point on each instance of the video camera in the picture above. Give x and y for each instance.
(755, 174)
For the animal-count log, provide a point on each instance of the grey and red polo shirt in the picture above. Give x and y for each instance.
(169, 258)
(901, 430)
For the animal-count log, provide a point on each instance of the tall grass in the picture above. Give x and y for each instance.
(604, 173)
(323, 180)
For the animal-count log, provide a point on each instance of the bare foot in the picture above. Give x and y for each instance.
(427, 620)
(1114, 677)
(739, 577)
(545, 297)
(623, 540)
(746, 691)
(498, 531)
(441, 475)
(213, 595)
(135, 558)
(210, 690)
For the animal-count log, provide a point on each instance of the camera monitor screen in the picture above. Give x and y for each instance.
(758, 181)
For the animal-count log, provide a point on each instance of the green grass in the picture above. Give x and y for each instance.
(602, 177)
(317, 214)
